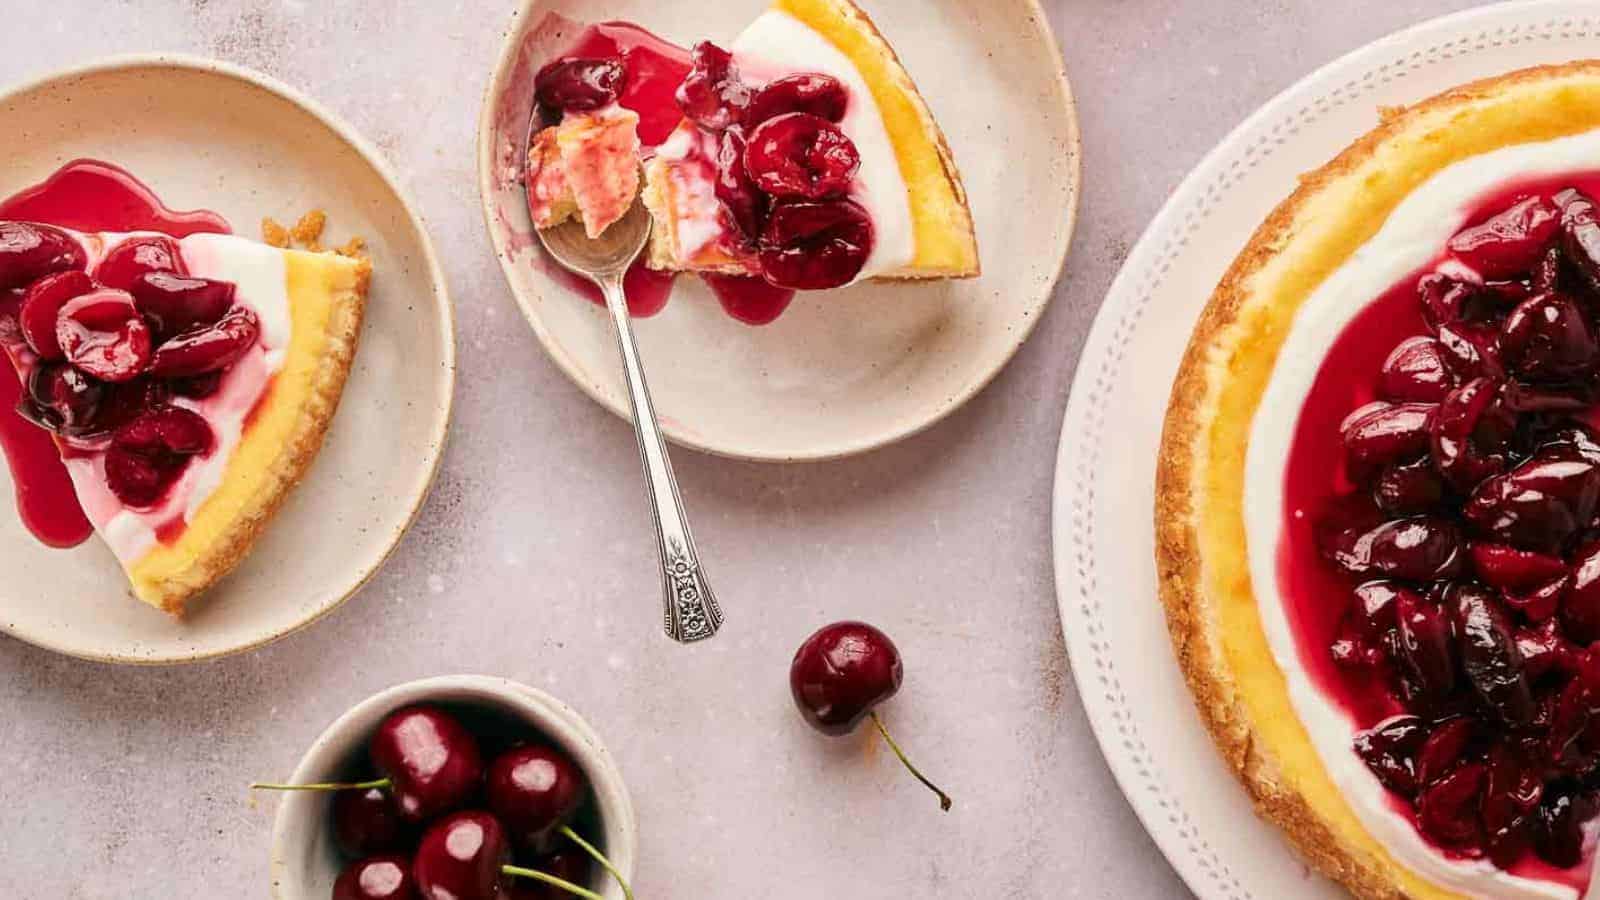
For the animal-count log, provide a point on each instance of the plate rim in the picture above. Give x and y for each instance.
(1163, 817)
(618, 406)
(189, 62)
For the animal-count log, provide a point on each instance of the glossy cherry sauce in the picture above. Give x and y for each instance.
(655, 69)
(1315, 595)
(84, 195)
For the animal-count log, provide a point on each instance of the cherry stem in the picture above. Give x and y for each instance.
(380, 783)
(565, 885)
(944, 799)
(599, 858)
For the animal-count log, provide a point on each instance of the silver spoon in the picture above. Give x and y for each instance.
(691, 612)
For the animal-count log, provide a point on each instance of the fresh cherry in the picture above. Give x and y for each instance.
(41, 309)
(712, 95)
(366, 821)
(29, 252)
(801, 155)
(428, 761)
(175, 303)
(466, 856)
(102, 334)
(137, 256)
(815, 245)
(534, 790)
(579, 85)
(207, 348)
(573, 868)
(840, 673)
(820, 95)
(377, 878)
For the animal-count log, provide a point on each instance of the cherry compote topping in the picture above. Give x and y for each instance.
(814, 245)
(713, 95)
(41, 309)
(819, 95)
(174, 303)
(1442, 538)
(801, 155)
(138, 256)
(579, 84)
(207, 348)
(29, 251)
(102, 334)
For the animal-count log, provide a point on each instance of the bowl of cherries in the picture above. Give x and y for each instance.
(455, 788)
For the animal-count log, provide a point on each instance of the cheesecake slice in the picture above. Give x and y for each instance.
(188, 383)
(803, 154)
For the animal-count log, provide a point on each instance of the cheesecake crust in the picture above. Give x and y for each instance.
(1201, 557)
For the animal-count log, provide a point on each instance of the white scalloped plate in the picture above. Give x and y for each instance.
(1116, 633)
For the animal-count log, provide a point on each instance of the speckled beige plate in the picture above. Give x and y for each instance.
(841, 371)
(207, 135)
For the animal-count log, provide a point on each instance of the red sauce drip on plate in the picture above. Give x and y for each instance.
(84, 195)
(751, 300)
(1316, 596)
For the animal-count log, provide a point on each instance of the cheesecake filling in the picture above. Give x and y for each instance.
(259, 274)
(1409, 241)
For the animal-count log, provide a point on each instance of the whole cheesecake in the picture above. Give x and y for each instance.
(1377, 500)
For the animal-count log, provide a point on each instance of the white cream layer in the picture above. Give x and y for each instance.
(260, 276)
(777, 45)
(1414, 235)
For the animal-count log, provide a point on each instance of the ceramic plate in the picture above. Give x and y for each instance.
(206, 135)
(1104, 542)
(841, 371)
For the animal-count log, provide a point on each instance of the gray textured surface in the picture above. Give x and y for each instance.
(532, 559)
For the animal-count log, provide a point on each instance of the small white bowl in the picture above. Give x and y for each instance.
(305, 862)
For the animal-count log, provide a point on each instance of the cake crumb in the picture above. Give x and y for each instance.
(274, 234)
(356, 248)
(1390, 113)
(308, 231)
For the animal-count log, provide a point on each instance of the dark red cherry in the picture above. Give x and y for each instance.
(1426, 640)
(1538, 603)
(1409, 489)
(841, 672)
(1390, 750)
(431, 760)
(1510, 569)
(1509, 242)
(175, 303)
(460, 858)
(1537, 505)
(136, 256)
(1490, 657)
(1544, 650)
(197, 387)
(66, 399)
(1381, 433)
(41, 309)
(149, 453)
(1447, 811)
(745, 203)
(1422, 548)
(712, 95)
(1472, 349)
(207, 348)
(1548, 338)
(29, 252)
(1580, 235)
(1470, 433)
(1443, 748)
(817, 245)
(801, 155)
(377, 878)
(1558, 826)
(1446, 300)
(1580, 608)
(579, 84)
(103, 334)
(366, 821)
(822, 96)
(1417, 372)
(1511, 793)
(534, 790)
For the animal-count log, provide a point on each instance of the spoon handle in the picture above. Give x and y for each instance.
(691, 611)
